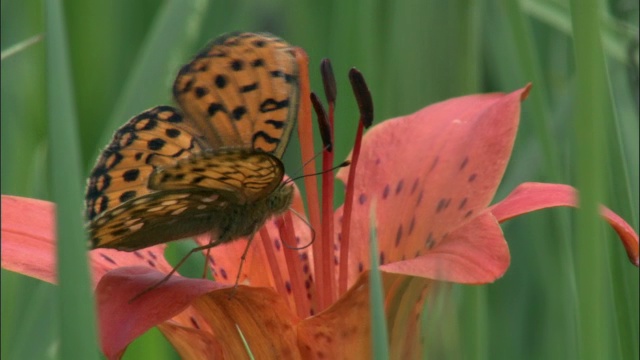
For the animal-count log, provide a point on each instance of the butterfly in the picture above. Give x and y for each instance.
(213, 165)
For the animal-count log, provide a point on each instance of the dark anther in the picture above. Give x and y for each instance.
(329, 81)
(323, 122)
(363, 96)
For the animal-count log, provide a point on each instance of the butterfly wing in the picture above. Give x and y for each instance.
(245, 175)
(156, 218)
(156, 137)
(166, 176)
(189, 198)
(242, 91)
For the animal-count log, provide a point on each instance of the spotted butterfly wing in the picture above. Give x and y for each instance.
(242, 91)
(169, 174)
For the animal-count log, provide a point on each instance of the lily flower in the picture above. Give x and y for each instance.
(432, 176)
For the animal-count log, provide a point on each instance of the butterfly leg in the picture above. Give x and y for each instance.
(242, 259)
(206, 257)
(175, 268)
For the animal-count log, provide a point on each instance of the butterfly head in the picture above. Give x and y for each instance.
(280, 200)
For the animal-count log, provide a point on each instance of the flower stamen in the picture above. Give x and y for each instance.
(365, 105)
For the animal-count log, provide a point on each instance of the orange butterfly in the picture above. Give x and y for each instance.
(213, 165)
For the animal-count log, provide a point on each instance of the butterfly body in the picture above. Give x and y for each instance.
(211, 166)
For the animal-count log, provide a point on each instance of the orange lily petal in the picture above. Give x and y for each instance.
(263, 317)
(121, 320)
(28, 233)
(430, 173)
(535, 196)
(29, 243)
(474, 253)
(343, 331)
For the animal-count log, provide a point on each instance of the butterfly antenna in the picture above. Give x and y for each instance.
(341, 165)
(313, 232)
(323, 125)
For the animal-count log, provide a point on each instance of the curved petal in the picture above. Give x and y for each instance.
(122, 319)
(191, 343)
(475, 253)
(535, 196)
(343, 331)
(430, 172)
(28, 237)
(258, 316)
(29, 243)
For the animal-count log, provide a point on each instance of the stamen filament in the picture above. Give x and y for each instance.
(294, 266)
(267, 243)
(328, 178)
(305, 132)
(347, 209)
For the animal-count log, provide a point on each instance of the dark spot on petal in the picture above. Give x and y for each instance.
(464, 162)
(385, 192)
(468, 213)
(223, 273)
(431, 241)
(419, 200)
(153, 256)
(447, 203)
(287, 285)
(462, 203)
(441, 205)
(398, 235)
(472, 177)
(381, 258)
(399, 186)
(412, 224)
(360, 267)
(137, 253)
(276, 244)
(151, 263)
(362, 199)
(434, 163)
(257, 63)
(414, 186)
(108, 259)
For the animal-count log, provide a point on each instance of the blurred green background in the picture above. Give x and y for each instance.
(570, 292)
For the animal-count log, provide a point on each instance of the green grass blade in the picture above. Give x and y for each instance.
(167, 46)
(78, 333)
(14, 49)
(590, 130)
(379, 332)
